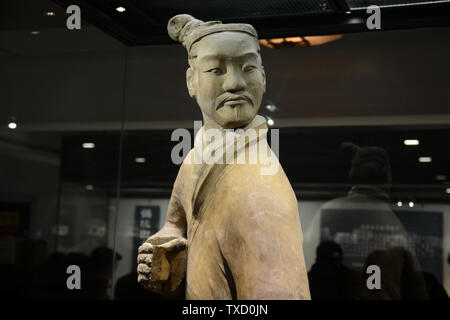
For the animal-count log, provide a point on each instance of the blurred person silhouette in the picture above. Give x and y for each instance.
(435, 290)
(127, 288)
(367, 229)
(30, 258)
(39, 257)
(100, 269)
(329, 278)
(53, 284)
(9, 288)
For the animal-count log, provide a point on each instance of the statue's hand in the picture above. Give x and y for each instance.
(162, 263)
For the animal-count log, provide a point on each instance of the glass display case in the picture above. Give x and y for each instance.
(90, 97)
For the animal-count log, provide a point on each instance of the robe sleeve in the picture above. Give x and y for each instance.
(262, 244)
(175, 224)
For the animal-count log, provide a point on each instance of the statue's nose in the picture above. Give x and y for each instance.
(234, 80)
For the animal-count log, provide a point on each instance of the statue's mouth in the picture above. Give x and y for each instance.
(233, 100)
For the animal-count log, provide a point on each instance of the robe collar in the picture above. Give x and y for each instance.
(205, 175)
(202, 168)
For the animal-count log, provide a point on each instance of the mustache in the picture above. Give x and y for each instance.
(222, 99)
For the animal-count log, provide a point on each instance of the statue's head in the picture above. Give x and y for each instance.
(225, 73)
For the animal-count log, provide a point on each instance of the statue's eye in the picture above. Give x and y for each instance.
(215, 71)
(249, 68)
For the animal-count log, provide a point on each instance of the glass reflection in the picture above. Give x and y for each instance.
(364, 250)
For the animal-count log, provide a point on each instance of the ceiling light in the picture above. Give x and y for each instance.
(120, 9)
(411, 204)
(425, 159)
(399, 204)
(89, 187)
(12, 125)
(348, 12)
(140, 160)
(34, 32)
(411, 142)
(50, 13)
(447, 190)
(88, 145)
(355, 21)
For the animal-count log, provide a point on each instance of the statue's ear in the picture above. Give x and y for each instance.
(191, 82)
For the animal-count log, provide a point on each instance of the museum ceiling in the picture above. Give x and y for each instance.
(142, 22)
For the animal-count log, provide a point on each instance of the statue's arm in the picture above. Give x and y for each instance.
(264, 249)
(162, 257)
(175, 224)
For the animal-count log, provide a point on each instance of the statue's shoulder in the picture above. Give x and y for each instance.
(253, 179)
(189, 158)
(245, 187)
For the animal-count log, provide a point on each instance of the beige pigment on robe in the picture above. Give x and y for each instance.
(243, 228)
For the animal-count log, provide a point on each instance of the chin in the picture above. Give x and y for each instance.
(228, 119)
(234, 124)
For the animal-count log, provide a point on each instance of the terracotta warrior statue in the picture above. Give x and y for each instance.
(232, 229)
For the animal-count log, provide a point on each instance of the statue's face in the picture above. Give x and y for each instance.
(227, 78)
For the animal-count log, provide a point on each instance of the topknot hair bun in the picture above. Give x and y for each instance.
(179, 26)
(186, 29)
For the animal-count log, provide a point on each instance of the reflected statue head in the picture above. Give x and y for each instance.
(225, 73)
(370, 165)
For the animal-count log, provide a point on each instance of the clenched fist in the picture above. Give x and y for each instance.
(162, 263)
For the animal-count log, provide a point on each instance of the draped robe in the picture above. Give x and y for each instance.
(243, 227)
